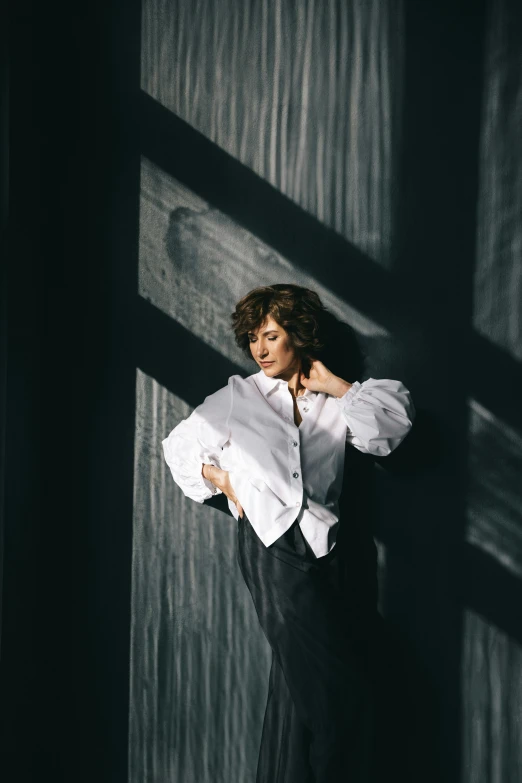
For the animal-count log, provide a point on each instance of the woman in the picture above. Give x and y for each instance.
(274, 443)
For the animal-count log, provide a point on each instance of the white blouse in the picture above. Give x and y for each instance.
(281, 472)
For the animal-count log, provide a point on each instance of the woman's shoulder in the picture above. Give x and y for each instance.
(244, 383)
(235, 382)
(242, 380)
(243, 389)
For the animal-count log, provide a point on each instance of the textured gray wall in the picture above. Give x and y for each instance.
(199, 661)
(195, 263)
(498, 279)
(491, 660)
(308, 95)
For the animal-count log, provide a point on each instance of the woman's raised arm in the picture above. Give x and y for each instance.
(379, 414)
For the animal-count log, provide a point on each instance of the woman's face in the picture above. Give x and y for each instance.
(271, 349)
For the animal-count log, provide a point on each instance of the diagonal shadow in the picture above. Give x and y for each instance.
(192, 369)
(260, 208)
(490, 590)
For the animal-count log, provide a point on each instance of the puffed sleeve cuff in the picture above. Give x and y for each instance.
(187, 472)
(199, 440)
(379, 413)
(350, 394)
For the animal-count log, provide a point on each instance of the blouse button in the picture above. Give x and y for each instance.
(295, 443)
(305, 410)
(295, 475)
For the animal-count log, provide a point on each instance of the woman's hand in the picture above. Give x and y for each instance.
(221, 480)
(320, 379)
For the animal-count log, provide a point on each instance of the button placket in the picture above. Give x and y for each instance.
(306, 401)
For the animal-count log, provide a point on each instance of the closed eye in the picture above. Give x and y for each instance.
(254, 339)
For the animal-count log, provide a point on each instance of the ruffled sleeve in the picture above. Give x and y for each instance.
(379, 413)
(199, 440)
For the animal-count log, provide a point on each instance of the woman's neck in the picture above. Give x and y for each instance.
(295, 387)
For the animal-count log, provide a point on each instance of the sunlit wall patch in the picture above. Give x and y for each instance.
(307, 94)
(494, 505)
(199, 663)
(196, 263)
(491, 695)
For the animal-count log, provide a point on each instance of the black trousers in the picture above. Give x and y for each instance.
(319, 617)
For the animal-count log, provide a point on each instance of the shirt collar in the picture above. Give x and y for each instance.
(270, 385)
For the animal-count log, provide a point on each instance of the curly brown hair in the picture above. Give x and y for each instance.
(314, 332)
(298, 310)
